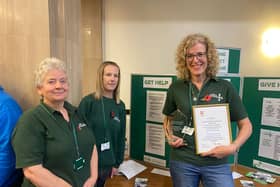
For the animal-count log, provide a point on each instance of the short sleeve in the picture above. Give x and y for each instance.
(28, 141)
(237, 109)
(169, 105)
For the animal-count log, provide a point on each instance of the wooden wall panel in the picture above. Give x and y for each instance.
(32, 30)
(65, 41)
(24, 38)
(91, 42)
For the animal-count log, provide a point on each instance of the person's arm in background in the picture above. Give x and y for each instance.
(93, 169)
(84, 108)
(9, 114)
(5, 128)
(245, 130)
(42, 177)
(120, 152)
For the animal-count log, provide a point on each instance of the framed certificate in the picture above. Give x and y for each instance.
(212, 126)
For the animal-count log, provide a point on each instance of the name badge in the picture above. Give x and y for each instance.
(79, 164)
(188, 130)
(105, 146)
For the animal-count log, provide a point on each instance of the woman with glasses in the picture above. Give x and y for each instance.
(197, 84)
(52, 143)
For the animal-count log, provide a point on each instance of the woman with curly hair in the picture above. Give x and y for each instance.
(197, 84)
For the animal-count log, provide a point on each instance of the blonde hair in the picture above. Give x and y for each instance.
(99, 82)
(211, 53)
(46, 65)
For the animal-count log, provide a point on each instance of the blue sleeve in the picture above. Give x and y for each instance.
(9, 114)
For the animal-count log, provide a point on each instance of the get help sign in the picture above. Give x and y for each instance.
(157, 82)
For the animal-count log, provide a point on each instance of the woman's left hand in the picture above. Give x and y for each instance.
(114, 172)
(90, 182)
(220, 151)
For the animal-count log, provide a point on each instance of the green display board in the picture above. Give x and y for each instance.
(138, 116)
(261, 97)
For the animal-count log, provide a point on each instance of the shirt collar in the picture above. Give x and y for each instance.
(70, 108)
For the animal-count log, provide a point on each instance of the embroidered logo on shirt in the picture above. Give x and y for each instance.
(209, 97)
(113, 115)
(116, 118)
(81, 125)
(206, 98)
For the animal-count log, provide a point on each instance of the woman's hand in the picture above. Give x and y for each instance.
(221, 151)
(114, 172)
(90, 182)
(176, 142)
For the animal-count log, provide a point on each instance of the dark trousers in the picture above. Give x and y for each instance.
(103, 174)
(15, 180)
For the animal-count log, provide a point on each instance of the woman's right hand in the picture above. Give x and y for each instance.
(176, 142)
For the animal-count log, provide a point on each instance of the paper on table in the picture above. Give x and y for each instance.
(236, 175)
(161, 172)
(130, 168)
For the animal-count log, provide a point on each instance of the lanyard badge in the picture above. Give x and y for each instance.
(79, 164)
(105, 146)
(188, 130)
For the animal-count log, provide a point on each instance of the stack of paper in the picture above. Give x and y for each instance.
(130, 168)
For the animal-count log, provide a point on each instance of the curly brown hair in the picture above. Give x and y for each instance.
(188, 42)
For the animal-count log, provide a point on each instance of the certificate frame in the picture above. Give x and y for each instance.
(212, 126)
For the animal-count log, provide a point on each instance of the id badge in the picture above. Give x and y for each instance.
(79, 164)
(188, 130)
(105, 146)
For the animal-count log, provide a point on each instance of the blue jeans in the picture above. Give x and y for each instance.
(188, 175)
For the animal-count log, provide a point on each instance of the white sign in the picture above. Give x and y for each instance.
(154, 105)
(269, 145)
(154, 160)
(155, 139)
(266, 166)
(269, 84)
(224, 60)
(271, 112)
(157, 82)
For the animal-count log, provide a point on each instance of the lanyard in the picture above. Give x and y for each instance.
(75, 139)
(104, 121)
(190, 101)
(72, 126)
(193, 97)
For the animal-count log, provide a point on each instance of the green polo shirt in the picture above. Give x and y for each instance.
(107, 119)
(181, 96)
(43, 136)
